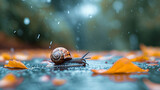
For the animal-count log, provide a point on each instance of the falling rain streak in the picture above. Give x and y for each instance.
(14, 31)
(38, 36)
(50, 44)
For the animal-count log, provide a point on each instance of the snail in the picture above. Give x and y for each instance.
(61, 55)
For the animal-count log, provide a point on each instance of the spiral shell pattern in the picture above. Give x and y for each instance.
(59, 55)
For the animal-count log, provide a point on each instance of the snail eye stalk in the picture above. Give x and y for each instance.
(85, 55)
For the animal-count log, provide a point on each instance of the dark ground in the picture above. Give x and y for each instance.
(80, 78)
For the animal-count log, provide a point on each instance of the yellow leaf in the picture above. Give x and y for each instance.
(140, 59)
(123, 65)
(76, 55)
(58, 82)
(150, 51)
(15, 64)
(6, 56)
(9, 81)
(96, 57)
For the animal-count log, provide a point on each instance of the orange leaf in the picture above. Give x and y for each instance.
(96, 57)
(6, 56)
(123, 65)
(76, 55)
(150, 51)
(9, 81)
(140, 59)
(58, 82)
(15, 64)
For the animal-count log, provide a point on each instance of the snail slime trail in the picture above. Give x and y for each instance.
(62, 56)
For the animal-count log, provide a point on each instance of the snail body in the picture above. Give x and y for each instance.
(61, 55)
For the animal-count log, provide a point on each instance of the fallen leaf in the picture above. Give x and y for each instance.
(6, 56)
(10, 81)
(151, 85)
(15, 64)
(58, 82)
(150, 51)
(123, 65)
(96, 57)
(140, 59)
(76, 55)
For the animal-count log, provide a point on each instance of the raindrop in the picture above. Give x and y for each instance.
(68, 12)
(118, 5)
(128, 32)
(50, 42)
(31, 6)
(14, 31)
(38, 36)
(26, 20)
(49, 46)
(48, 1)
(90, 16)
(59, 22)
(88, 9)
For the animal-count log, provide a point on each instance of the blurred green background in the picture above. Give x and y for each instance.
(79, 24)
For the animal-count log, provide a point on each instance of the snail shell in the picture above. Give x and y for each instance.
(60, 55)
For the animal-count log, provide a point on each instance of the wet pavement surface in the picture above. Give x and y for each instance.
(81, 78)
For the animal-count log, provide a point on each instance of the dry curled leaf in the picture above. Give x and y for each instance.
(58, 82)
(15, 64)
(123, 65)
(10, 81)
